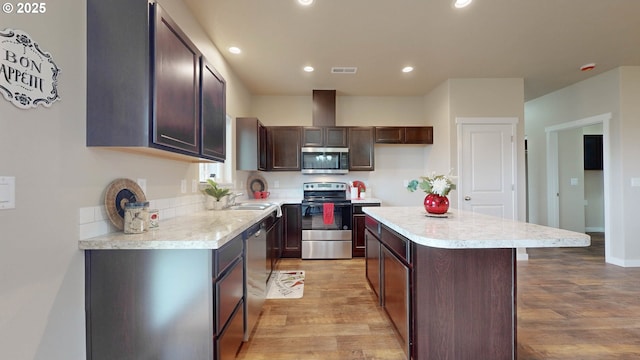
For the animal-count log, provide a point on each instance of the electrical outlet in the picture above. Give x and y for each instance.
(183, 186)
(194, 185)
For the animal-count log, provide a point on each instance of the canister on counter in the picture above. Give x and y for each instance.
(154, 218)
(136, 217)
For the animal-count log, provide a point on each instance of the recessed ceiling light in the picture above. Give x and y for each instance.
(305, 2)
(308, 68)
(235, 50)
(462, 3)
(407, 69)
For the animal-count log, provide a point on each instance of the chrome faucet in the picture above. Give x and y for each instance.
(232, 198)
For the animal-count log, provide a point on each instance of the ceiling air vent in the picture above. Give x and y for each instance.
(344, 70)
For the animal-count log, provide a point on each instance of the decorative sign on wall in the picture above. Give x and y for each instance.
(28, 75)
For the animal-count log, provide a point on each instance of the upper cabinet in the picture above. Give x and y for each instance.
(404, 135)
(148, 87)
(284, 148)
(251, 145)
(325, 136)
(213, 112)
(361, 152)
(176, 65)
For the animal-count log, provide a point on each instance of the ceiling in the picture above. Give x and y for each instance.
(543, 41)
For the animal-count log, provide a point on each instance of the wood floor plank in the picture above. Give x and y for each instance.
(570, 306)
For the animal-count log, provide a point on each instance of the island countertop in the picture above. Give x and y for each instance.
(466, 230)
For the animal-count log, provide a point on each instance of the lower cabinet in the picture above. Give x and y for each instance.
(292, 231)
(444, 303)
(358, 241)
(389, 274)
(373, 264)
(395, 296)
(164, 304)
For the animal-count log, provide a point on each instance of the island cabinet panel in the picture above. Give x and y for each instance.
(395, 296)
(372, 255)
(464, 303)
(361, 151)
(291, 231)
(284, 148)
(373, 264)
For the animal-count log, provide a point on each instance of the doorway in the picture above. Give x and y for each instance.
(555, 187)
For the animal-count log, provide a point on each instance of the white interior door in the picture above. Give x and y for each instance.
(486, 182)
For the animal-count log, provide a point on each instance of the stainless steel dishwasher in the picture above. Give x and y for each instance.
(255, 275)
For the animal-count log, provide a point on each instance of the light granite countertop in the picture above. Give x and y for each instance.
(464, 230)
(207, 229)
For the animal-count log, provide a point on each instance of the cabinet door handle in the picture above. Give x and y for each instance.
(467, 198)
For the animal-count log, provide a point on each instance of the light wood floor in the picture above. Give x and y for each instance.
(571, 305)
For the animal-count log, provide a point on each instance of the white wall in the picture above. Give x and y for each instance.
(396, 163)
(571, 180)
(614, 92)
(41, 268)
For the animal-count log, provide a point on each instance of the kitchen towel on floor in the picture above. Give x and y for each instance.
(327, 213)
(287, 284)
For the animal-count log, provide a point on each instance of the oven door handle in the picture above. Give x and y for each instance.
(315, 204)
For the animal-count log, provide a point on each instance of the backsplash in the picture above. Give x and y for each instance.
(93, 221)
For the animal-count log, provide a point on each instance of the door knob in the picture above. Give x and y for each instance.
(467, 198)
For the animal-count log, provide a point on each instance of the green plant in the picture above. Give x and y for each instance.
(215, 191)
(434, 184)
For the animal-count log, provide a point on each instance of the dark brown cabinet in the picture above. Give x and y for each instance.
(273, 226)
(213, 112)
(358, 228)
(325, 137)
(404, 135)
(251, 144)
(176, 65)
(144, 82)
(284, 151)
(361, 151)
(150, 303)
(291, 231)
(372, 255)
(444, 303)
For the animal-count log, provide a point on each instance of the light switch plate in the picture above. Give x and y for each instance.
(635, 182)
(183, 186)
(194, 185)
(574, 181)
(7, 192)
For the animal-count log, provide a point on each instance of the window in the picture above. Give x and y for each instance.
(222, 173)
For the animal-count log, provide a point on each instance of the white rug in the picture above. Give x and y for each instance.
(286, 284)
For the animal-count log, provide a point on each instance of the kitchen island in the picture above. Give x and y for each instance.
(448, 284)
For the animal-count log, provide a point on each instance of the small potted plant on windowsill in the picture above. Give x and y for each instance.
(216, 195)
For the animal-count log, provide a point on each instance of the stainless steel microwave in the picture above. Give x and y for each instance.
(321, 160)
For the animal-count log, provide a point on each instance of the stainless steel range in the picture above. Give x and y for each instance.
(326, 221)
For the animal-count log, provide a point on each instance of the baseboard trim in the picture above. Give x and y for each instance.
(623, 262)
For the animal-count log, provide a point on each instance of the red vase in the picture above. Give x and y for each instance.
(436, 204)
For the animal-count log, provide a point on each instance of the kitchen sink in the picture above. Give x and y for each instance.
(250, 206)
